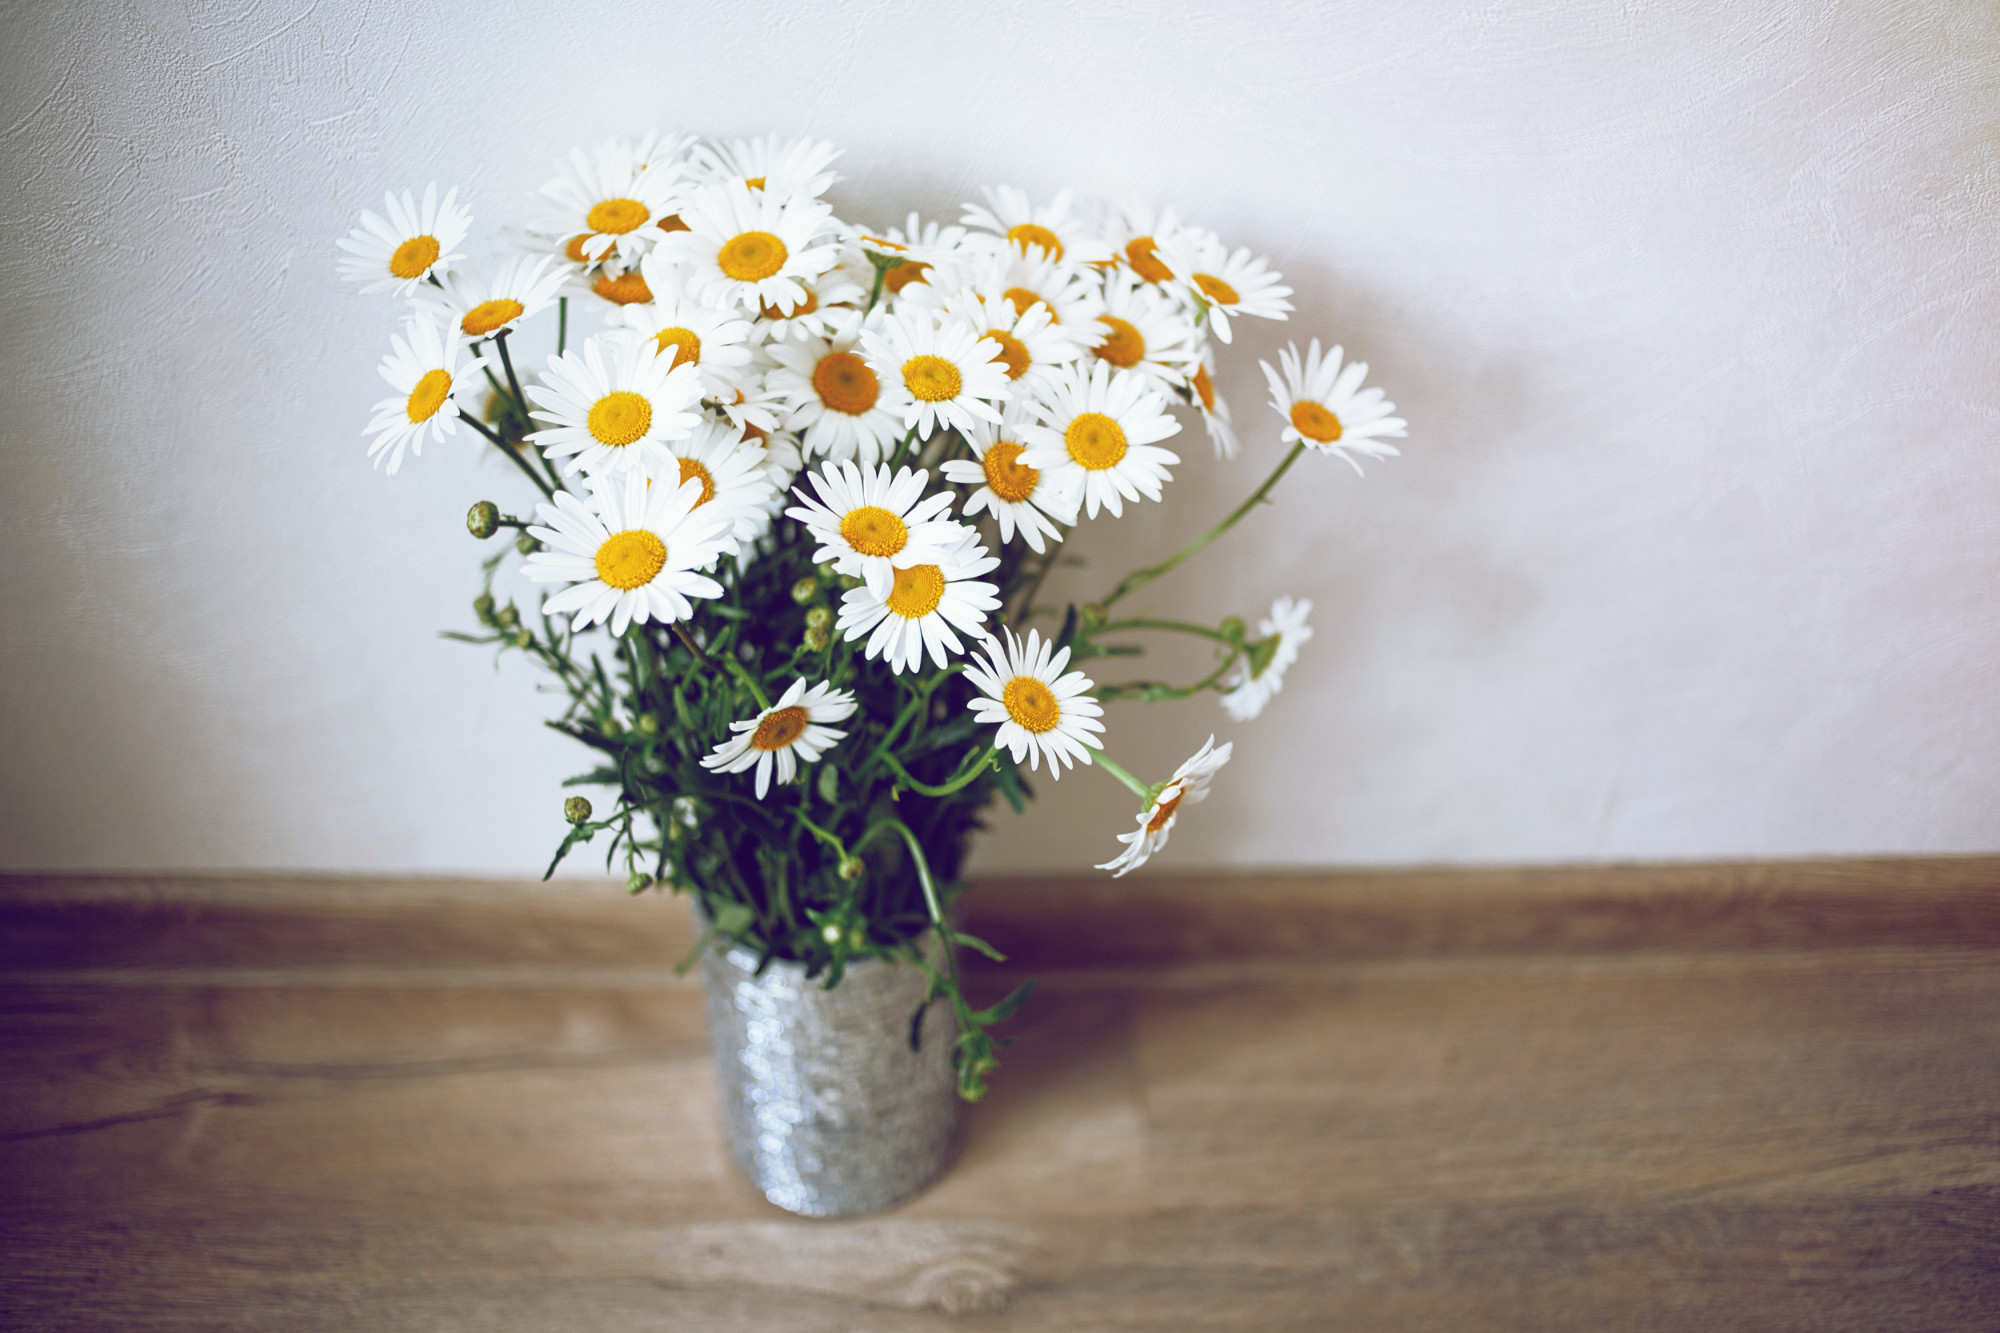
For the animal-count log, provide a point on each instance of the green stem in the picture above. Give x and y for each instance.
(562, 324)
(957, 782)
(875, 293)
(1176, 626)
(1157, 692)
(1141, 577)
(1104, 762)
(734, 666)
(499, 444)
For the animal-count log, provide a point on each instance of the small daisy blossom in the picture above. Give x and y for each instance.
(1032, 345)
(1020, 497)
(841, 406)
(610, 204)
(752, 248)
(830, 301)
(928, 246)
(1325, 407)
(1222, 281)
(720, 343)
(484, 307)
(1146, 333)
(1058, 229)
(1135, 232)
(923, 607)
(1262, 675)
(1041, 711)
(632, 554)
(792, 729)
(1096, 439)
(614, 408)
(430, 375)
(870, 524)
(1024, 279)
(733, 472)
(1188, 786)
(776, 166)
(1214, 408)
(396, 254)
(952, 375)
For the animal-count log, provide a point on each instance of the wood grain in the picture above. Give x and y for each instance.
(1689, 1097)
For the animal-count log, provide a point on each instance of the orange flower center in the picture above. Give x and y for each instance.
(1165, 812)
(628, 288)
(414, 257)
(631, 559)
(751, 256)
(1204, 388)
(1021, 299)
(932, 379)
(615, 217)
(619, 418)
(1124, 347)
(1027, 234)
(428, 395)
(806, 307)
(686, 345)
(693, 471)
(845, 383)
(1006, 475)
(873, 530)
(779, 729)
(1142, 254)
(487, 316)
(1315, 422)
(904, 274)
(1215, 289)
(1013, 352)
(1032, 704)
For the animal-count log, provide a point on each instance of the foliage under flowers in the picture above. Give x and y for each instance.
(800, 494)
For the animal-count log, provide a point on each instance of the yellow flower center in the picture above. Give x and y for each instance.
(686, 345)
(1007, 477)
(918, 591)
(1215, 289)
(1027, 234)
(1165, 812)
(844, 383)
(932, 379)
(619, 417)
(881, 244)
(1124, 347)
(672, 222)
(780, 729)
(429, 395)
(873, 530)
(752, 256)
(1013, 352)
(1095, 441)
(487, 316)
(754, 182)
(693, 471)
(1204, 387)
(414, 257)
(615, 217)
(631, 559)
(1032, 704)
(806, 307)
(628, 288)
(1315, 422)
(1021, 299)
(1142, 255)
(574, 248)
(904, 274)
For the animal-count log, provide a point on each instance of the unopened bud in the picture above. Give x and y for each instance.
(612, 727)
(819, 617)
(577, 809)
(638, 882)
(646, 724)
(852, 868)
(482, 606)
(522, 638)
(526, 545)
(483, 519)
(509, 616)
(805, 590)
(816, 638)
(1234, 629)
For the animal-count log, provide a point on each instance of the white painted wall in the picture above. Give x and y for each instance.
(1695, 550)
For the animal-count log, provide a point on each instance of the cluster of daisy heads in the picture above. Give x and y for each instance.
(913, 398)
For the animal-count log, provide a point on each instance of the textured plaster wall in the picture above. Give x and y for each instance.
(1695, 550)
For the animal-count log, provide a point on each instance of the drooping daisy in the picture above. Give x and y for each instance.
(1135, 232)
(923, 606)
(778, 166)
(397, 253)
(1325, 407)
(732, 472)
(792, 729)
(614, 408)
(1058, 229)
(689, 332)
(1146, 332)
(831, 300)
(1019, 497)
(431, 375)
(1041, 711)
(929, 246)
(1188, 786)
(952, 376)
(483, 306)
(752, 248)
(1033, 348)
(840, 405)
(1223, 282)
(633, 552)
(1214, 408)
(870, 525)
(1096, 439)
(1262, 675)
(609, 205)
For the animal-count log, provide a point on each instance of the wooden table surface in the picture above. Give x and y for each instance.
(1704, 1097)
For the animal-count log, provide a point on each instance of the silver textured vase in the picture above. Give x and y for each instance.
(825, 1106)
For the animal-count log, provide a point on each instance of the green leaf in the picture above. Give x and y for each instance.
(1004, 1010)
(974, 942)
(733, 919)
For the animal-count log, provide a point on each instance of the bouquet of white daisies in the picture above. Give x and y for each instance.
(798, 491)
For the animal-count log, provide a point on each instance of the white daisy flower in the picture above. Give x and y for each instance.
(632, 554)
(1325, 407)
(732, 471)
(777, 166)
(870, 524)
(1033, 347)
(396, 254)
(952, 376)
(924, 605)
(840, 405)
(1222, 282)
(1213, 407)
(1041, 711)
(720, 344)
(628, 287)
(756, 407)
(1070, 292)
(830, 301)
(610, 205)
(615, 408)
(791, 729)
(1058, 229)
(1096, 439)
(1262, 675)
(930, 246)
(1019, 497)
(752, 248)
(483, 307)
(1147, 333)
(1135, 232)
(1188, 786)
(429, 371)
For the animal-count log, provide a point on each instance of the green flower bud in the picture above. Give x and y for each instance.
(482, 606)
(577, 810)
(1234, 628)
(483, 519)
(526, 545)
(638, 882)
(646, 724)
(805, 590)
(522, 638)
(509, 616)
(612, 727)
(852, 868)
(816, 639)
(819, 617)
